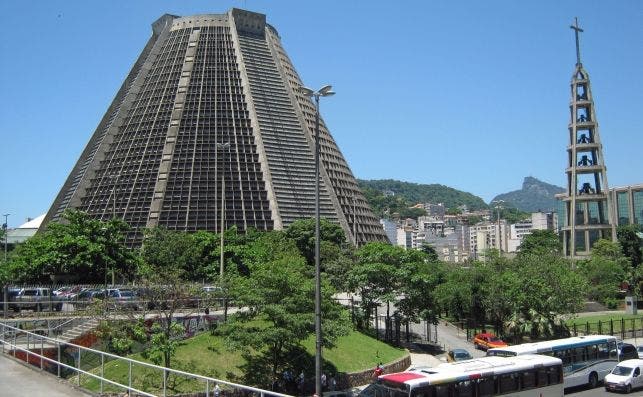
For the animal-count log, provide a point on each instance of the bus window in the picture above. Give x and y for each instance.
(507, 383)
(612, 349)
(592, 352)
(442, 391)
(422, 392)
(485, 387)
(564, 355)
(555, 375)
(604, 350)
(528, 380)
(464, 389)
(542, 377)
(579, 355)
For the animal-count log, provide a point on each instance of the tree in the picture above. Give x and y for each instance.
(513, 215)
(374, 283)
(453, 296)
(429, 250)
(337, 264)
(202, 259)
(418, 282)
(79, 248)
(166, 257)
(631, 243)
(540, 242)
(277, 294)
(303, 233)
(411, 212)
(606, 271)
(380, 272)
(544, 287)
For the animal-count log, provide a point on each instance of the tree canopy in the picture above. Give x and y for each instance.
(278, 296)
(80, 249)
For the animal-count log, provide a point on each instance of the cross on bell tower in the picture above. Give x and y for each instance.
(587, 214)
(577, 30)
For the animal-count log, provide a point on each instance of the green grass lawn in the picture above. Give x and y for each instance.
(356, 352)
(205, 354)
(581, 322)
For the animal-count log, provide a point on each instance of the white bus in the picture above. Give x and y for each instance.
(520, 376)
(586, 359)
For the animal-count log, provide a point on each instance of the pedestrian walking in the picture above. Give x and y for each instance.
(332, 383)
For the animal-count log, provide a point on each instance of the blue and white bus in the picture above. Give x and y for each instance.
(586, 359)
(520, 376)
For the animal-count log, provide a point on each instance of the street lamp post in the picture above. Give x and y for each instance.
(326, 90)
(6, 236)
(498, 206)
(114, 178)
(5, 291)
(222, 146)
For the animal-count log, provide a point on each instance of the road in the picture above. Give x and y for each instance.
(599, 391)
(450, 337)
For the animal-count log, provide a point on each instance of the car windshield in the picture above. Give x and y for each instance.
(494, 339)
(127, 294)
(622, 370)
(462, 355)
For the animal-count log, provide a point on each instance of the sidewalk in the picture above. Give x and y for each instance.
(424, 360)
(20, 380)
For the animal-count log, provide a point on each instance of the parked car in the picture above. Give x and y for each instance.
(120, 298)
(210, 289)
(37, 299)
(626, 351)
(487, 340)
(626, 376)
(11, 298)
(71, 293)
(458, 355)
(88, 296)
(639, 349)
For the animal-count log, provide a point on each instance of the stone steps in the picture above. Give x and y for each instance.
(79, 330)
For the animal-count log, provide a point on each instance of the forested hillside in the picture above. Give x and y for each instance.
(535, 195)
(406, 194)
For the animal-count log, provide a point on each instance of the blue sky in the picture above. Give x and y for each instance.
(469, 94)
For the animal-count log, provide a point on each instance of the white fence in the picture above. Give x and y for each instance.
(37, 350)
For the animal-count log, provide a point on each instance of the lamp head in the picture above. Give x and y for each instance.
(326, 90)
(306, 91)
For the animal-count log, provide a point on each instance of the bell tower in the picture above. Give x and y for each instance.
(587, 211)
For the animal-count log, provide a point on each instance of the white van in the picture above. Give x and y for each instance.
(626, 376)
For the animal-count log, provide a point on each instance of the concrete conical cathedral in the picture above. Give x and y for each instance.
(213, 104)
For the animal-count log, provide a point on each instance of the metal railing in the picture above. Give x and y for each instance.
(47, 354)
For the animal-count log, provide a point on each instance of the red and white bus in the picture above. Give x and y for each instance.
(519, 376)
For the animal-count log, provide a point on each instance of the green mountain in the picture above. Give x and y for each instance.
(534, 196)
(389, 195)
